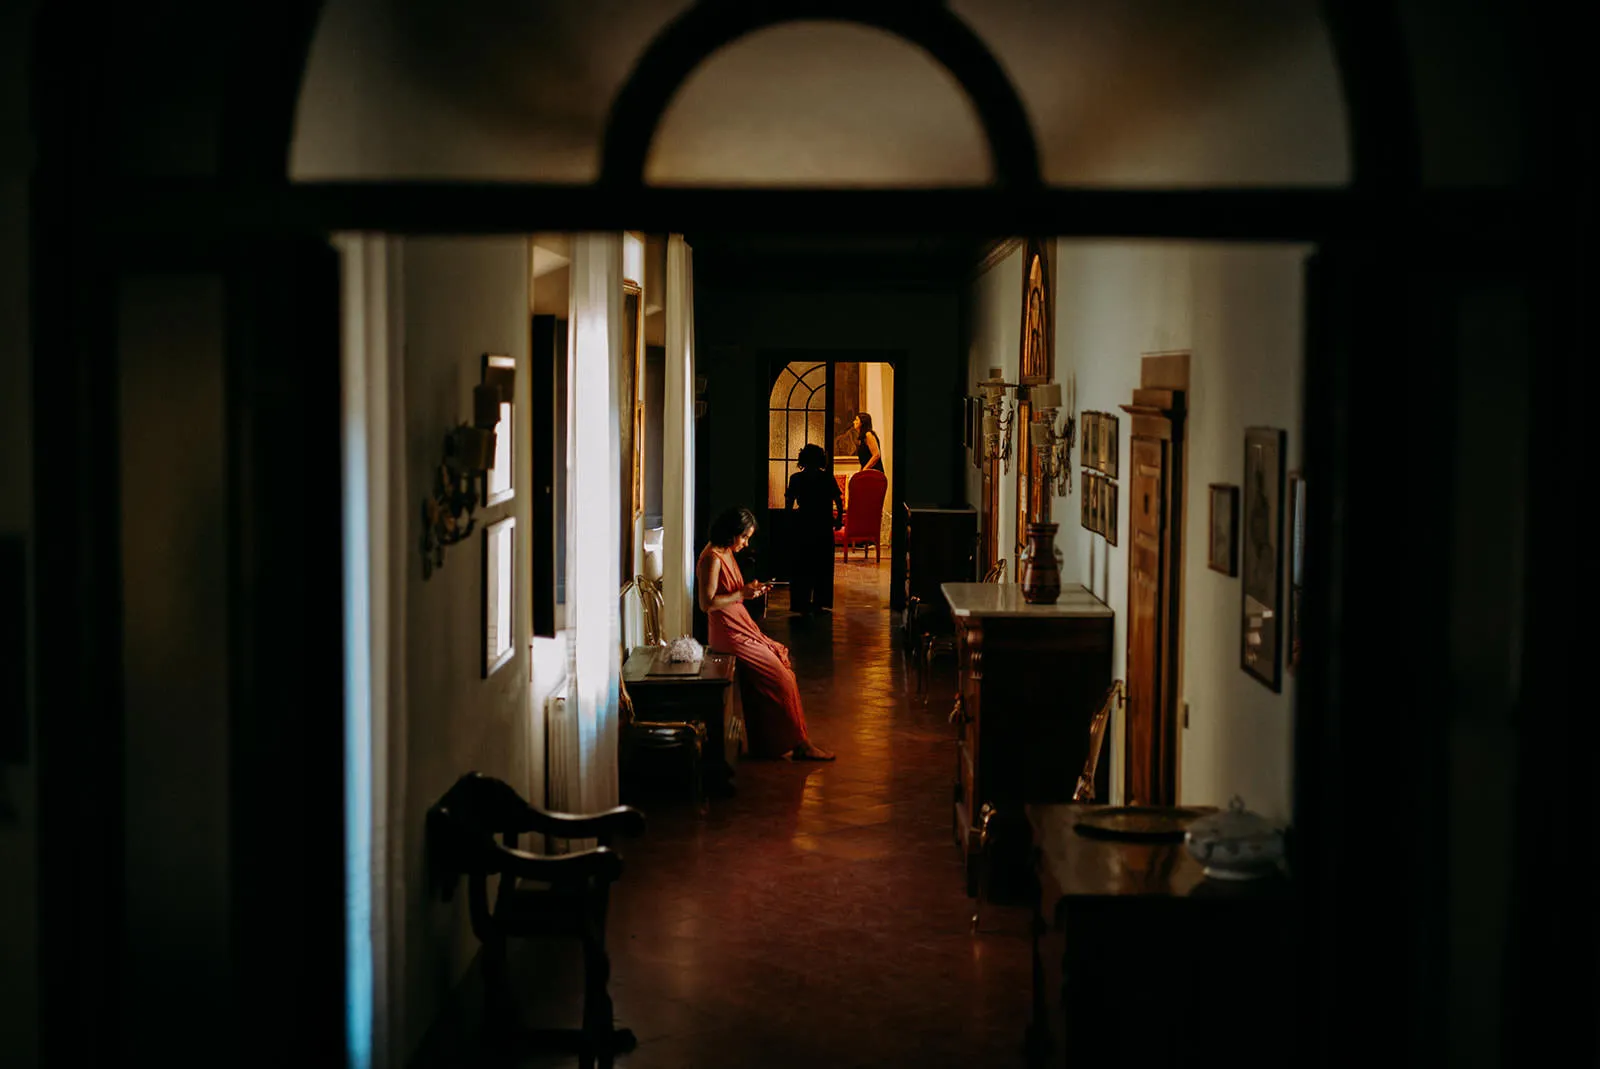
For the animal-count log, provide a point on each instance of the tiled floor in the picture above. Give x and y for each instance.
(818, 917)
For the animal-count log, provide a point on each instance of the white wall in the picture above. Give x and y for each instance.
(463, 298)
(880, 405)
(1237, 310)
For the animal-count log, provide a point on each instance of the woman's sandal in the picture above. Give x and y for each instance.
(811, 753)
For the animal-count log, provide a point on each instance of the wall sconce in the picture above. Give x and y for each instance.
(1052, 448)
(998, 415)
(447, 512)
(460, 481)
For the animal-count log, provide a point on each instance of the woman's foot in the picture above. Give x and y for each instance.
(810, 751)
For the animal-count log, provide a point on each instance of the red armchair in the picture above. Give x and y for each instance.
(863, 519)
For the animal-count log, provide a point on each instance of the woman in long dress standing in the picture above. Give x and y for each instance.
(774, 722)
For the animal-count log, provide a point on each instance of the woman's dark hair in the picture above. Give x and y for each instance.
(812, 456)
(730, 524)
(866, 424)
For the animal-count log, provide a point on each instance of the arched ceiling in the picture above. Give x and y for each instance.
(1133, 92)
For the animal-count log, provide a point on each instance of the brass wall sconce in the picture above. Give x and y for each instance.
(998, 416)
(1052, 448)
(458, 486)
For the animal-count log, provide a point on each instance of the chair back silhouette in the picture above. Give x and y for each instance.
(538, 895)
(863, 517)
(1084, 792)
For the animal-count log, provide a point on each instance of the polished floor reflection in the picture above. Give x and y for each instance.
(818, 917)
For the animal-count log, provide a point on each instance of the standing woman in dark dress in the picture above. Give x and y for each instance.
(867, 449)
(815, 494)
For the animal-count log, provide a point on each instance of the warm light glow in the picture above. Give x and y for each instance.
(633, 258)
(593, 458)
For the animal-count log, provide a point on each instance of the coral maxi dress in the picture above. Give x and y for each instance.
(774, 721)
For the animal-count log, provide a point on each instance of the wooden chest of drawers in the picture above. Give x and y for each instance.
(1031, 677)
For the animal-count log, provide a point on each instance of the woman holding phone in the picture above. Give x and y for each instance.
(774, 721)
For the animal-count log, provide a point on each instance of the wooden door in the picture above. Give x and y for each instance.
(1154, 555)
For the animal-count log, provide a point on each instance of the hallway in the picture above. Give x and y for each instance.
(817, 918)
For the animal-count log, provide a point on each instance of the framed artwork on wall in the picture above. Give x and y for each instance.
(1088, 447)
(1108, 509)
(493, 407)
(1297, 558)
(1262, 567)
(1222, 554)
(499, 586)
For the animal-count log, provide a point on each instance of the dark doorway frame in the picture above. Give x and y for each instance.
(897, 359)
(1365, 234)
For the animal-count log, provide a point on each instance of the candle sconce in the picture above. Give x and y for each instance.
(1052, 448)
(998, 417)
(463, 474)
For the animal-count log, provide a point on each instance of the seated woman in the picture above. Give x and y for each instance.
(774, 721)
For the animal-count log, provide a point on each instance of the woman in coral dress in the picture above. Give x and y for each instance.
(774, 721)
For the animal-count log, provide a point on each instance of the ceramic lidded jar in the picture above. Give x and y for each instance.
(1235, 844)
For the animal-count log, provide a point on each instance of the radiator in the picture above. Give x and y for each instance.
(561, 750)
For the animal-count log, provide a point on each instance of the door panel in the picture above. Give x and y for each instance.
(1145, 521)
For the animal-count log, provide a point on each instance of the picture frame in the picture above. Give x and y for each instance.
(494, 407)
(1222, 553)
(1108, 509)
(1085, 494)
(499, 594)
(1261, 553)
(1108, 444)
(1088, 448)
(1297, 531)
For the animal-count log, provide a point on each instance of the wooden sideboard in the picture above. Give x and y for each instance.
(1031, 678)
(1139, 959)
(941, 547)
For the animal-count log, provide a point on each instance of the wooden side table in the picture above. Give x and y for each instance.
(707, 696)
(1140, 959)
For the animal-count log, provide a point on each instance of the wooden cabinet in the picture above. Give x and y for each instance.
(1031, 678)
(941, 546)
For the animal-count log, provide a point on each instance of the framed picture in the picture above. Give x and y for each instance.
(1297, 558)
(499, 557)
(1108, 445)
(1108, 509)
(1262, 567)
(1223, 552)
(493, 407)
(1084, 494)
(1088, 449)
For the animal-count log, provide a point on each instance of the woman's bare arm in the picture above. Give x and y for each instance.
(872, 444)
(709, 570)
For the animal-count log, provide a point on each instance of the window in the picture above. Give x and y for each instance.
(499, 555)
(797, 415)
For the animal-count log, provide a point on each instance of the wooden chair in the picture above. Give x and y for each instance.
(538, 895)
(1084, 792)
(651, 606)
(640, 740)
(930, 643)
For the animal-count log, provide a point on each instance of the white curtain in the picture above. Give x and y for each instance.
(677, 469)
(375, 560)
(594, 460)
